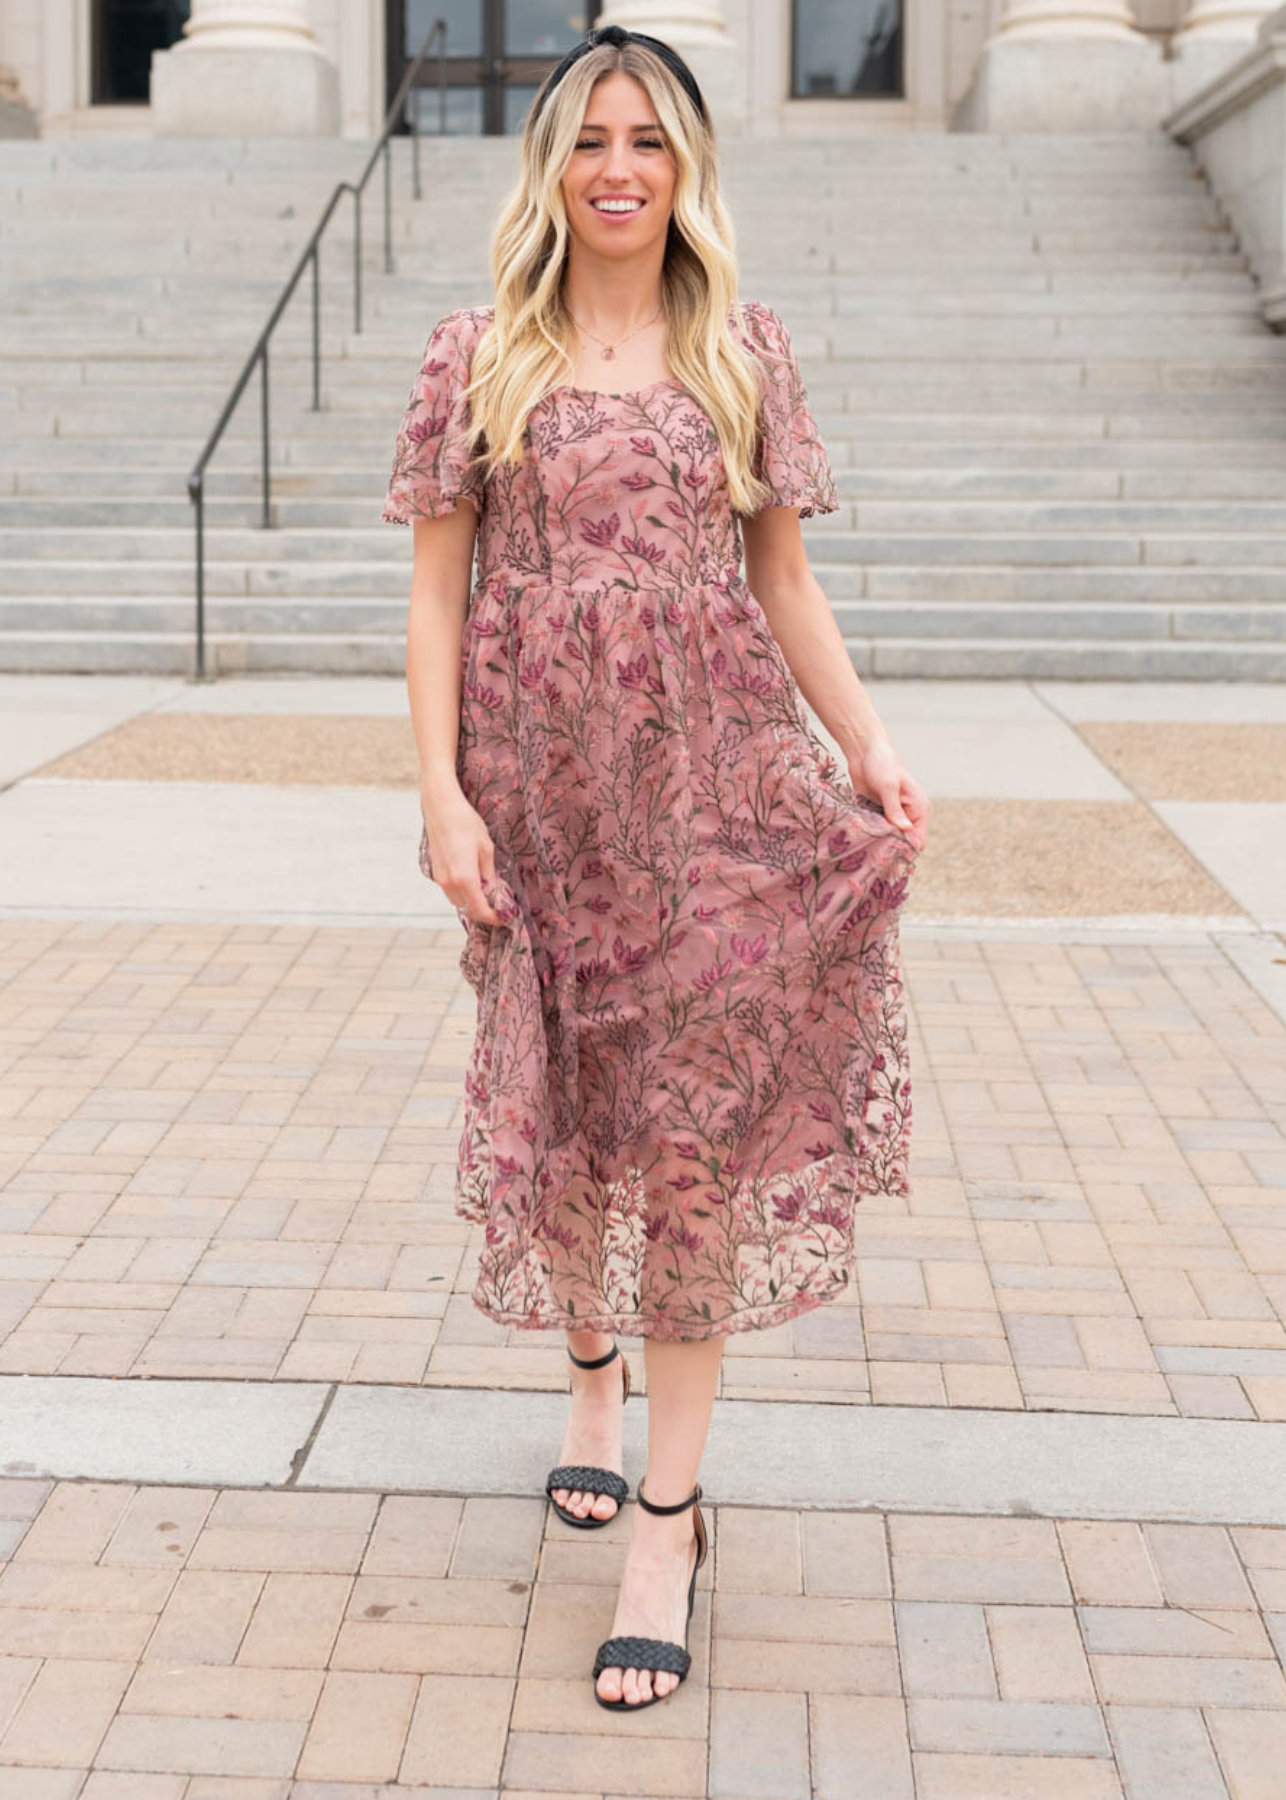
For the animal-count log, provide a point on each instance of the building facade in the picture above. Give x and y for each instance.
(771, 67)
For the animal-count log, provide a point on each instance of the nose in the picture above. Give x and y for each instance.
(620, 160)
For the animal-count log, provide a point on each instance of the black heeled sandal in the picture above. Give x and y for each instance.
(585, 1476)
(655, 1653)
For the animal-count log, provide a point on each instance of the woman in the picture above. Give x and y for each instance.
(680, 915)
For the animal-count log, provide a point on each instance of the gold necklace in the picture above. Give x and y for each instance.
(609, 351)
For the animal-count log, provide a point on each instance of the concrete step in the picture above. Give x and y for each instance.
(1222, 588)
(1052, 409)
(1223, 353)
(376, 654)
(146, 526)
(830, 539)
(1087, 659)
(236, 490)
(843, 413)
(161, 465)
(333, 614)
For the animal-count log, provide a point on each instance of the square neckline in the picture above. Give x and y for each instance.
(566, 387)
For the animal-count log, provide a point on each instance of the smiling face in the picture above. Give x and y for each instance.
(621, 155)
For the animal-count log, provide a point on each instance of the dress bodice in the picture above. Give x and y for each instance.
(620, 490)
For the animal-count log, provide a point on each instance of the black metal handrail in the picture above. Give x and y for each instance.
(309, 253)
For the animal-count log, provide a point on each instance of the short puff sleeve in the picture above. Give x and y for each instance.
(790, 455)
(431, 459)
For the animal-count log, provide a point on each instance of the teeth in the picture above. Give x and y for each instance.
(617, 205)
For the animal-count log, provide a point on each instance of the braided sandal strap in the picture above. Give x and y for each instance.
(589, 1480)
(642, 1653)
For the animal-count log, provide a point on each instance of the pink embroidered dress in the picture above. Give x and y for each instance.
(689, 1063)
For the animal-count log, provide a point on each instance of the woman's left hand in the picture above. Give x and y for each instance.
(877, 772)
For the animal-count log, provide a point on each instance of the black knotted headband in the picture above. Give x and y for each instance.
(618, 34)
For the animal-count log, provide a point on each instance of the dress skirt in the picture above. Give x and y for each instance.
(690, 1059)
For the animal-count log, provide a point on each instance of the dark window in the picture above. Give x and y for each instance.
(125, 33)
(847, 48)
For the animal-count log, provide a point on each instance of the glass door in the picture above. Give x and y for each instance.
(846, 49)
(497, 54)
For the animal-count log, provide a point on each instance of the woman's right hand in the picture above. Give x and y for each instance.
(461, 853)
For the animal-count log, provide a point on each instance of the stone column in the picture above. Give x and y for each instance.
(1235, 20)
(16, 118)
(698, 30)
(1214, 35)
(1033, 19)
(245, 68)
(1066, 65)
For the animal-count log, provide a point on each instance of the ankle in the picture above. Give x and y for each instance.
(660, 1492)
(663, 1533)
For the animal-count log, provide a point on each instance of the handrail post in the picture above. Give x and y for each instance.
(198, 498)
(357, 259)
(316, 331)
(413, 113)
(388, 207)
(267, 460)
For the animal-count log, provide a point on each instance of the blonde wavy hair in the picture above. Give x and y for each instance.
(530, 348)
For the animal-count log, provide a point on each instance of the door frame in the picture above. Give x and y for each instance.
(491, 71)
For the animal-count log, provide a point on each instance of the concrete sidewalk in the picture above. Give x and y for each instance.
(1009, 1519)
(1126, 802)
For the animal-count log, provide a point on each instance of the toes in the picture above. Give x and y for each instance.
(664, 1681)
(645, 1684)
(630, 1687)
(609, 1684)
(574, 1500)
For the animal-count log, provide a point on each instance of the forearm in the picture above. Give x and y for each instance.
(434, 634)
(804, 626)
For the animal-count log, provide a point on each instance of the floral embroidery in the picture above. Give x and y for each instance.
(690, 1057)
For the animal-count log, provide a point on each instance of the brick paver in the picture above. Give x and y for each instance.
(834, 1654)
(228, 1150)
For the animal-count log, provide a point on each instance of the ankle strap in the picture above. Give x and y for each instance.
(594, 1362)
(652, 1507)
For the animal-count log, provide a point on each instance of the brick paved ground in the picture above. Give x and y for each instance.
(190, 1644)
(229, 1151)
(227, 1148)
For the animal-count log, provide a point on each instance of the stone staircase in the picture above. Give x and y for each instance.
(1056, 421)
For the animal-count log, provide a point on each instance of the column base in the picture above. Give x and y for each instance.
(244, 93)
(17, 120)
(1066, 84)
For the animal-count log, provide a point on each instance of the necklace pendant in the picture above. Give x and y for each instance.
(608, 354)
